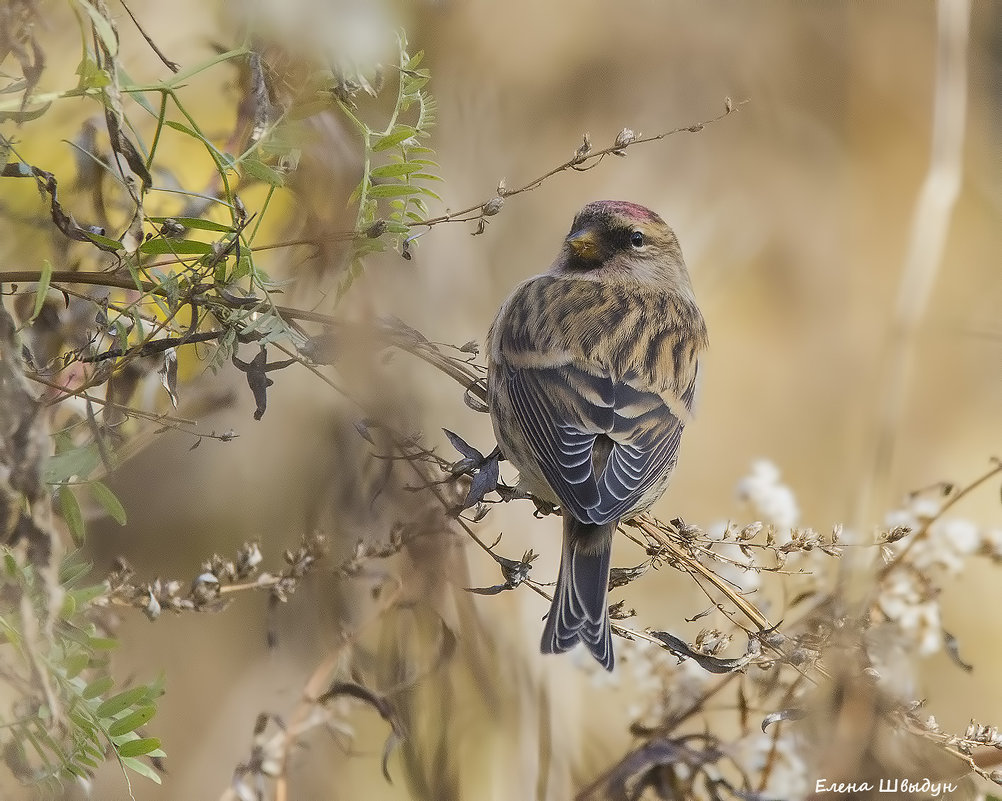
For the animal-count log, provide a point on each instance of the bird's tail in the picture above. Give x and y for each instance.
(580, 608)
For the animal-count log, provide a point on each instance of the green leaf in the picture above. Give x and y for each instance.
(412, 84)
(71, 514)
(91, 75)
(180, 126)
(395, 137)
(258, 169)
(108, 501)
(104, 242)
(86, 761)
(42, 290)
(102, 28)
(393, 170)
(121, 701)
(79, 461)
(127, 83)
(241, 268)
(139, 747)
(137, 324)
(85, 595)
(414, 61)
(132, 721)
(195, 222)
(393, 190)
(68, 608)
(168, 247)
(75, 663)
(25, 116)
(97, 687)
(72, 569)
(356, 193)
(140, 767)
(102, 643)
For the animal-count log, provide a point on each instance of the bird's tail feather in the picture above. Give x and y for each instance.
(580, 608)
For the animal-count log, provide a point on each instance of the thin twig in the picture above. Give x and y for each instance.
(173, 66)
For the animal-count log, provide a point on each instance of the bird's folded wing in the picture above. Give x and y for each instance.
(563, 411)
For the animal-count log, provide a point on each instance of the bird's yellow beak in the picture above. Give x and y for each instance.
(583, 244)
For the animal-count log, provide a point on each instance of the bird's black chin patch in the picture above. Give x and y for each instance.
(582, 264)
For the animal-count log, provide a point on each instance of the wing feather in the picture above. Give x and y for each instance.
(561, 422)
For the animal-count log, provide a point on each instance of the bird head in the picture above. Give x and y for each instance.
(618, 240)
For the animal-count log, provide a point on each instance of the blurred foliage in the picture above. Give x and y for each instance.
(71, 713)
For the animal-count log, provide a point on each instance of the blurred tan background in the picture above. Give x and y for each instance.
(793, 216)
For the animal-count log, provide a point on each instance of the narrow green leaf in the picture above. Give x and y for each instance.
(25, 116)
(127, 84)
(85, 595)
(75, 663)
(195, 222)
(132, 721)
(393, 170)
(137, 324)
(42, 290)
(241, 268)
(102, 27)
(108, 501)
(97, 687)
(75, 770)
(393, 190)
(164, 308)
(79, 461)
(102, 643)
(167, 247)
(412, 84)
(258, 169)
(135, 748)
(104, 242)
(68, 608)
(71, 514)
(395, 137)
(120, 701)
(141, 768)
(180, 126)
(356, 193)
(72, 569)
(91, 75)
(121, 334)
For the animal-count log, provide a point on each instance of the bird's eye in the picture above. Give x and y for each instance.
(637, 239)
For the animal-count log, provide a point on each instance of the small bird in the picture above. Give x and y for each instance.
(591, 375)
